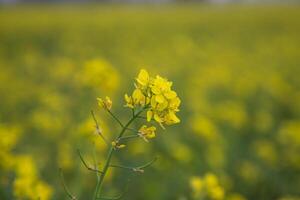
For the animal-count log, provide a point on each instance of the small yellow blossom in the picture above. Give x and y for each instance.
(143, 78)
(113, 143)
(129, 101)
(147, 132)
(106, 104)
(138, 97)
(116, 145)
(121, 146)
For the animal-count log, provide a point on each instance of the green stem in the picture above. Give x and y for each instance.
(95, 164)
(109, 156)
(119, 122)
(128, 137)
(137, 167)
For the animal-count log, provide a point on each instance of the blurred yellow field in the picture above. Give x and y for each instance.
(235, 68)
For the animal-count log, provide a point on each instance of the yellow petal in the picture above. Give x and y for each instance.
(153, 102)
(149, 115)
(151, 135)
(143, 77)
(100, 102)
(121, 146)
(108, 103)
(127, 98)
(138, 95)
(173, 118)
(170, 94)
(155, 90)
(162, 106)
(160, 98)
(157, 118)
(174, 103)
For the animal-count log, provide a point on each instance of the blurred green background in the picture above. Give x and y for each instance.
(235, 68)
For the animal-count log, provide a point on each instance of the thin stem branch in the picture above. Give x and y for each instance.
(86, 165)
(149, 163)
(132, 130)
(129, 122)
(145, 118)
(138, 168)
(128, 137)
(110, 153)
(110, 198)
(98, 128)
(95, 161)
(95, 165)
(72, 197)
(117, 197)
(141, 117)
(121, 167)
(119, 122)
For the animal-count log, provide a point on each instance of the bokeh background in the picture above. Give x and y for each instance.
(234, 64)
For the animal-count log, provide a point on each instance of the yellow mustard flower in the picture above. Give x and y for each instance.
(143, 78)
(129, 101)
(155, 94)
(147, 132)
(106, 104)
(138, 97)
(116, 145)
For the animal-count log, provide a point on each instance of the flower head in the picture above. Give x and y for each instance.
(129, 101)
(143, 78)
(106, 104)
(147, 132)
(157, 95)
(116, 145)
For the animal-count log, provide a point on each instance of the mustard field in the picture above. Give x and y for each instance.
(235, 73)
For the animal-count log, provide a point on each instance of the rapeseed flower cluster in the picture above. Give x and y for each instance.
(147, 132)
(106, 104)
(156, 94)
